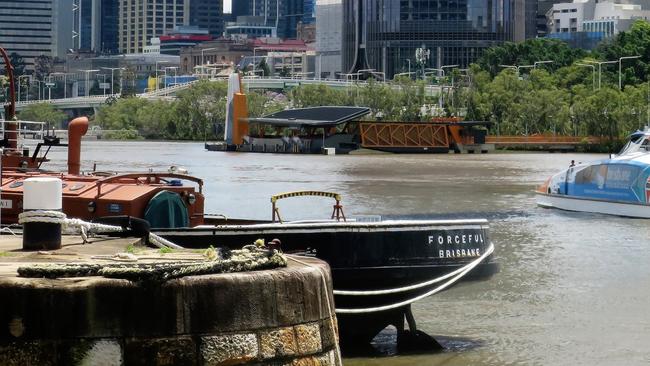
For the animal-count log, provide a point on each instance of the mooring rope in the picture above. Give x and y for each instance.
(85, 228)
(412, 300)
(418, 285)
(250, 257)
(330, 314)
(227, 261)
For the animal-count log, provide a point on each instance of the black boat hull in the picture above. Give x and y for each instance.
(365, 257)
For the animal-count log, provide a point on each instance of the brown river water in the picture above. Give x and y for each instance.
(574, 288)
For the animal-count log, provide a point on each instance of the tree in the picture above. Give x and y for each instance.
(528, 52)
(43, 66)
(128, 82)
(43, 112)
(4, 84)
(18, 63)
(314, 95)
(121, 115)
(285, 72)
(266, 71)
(634, 42)
(198, 108)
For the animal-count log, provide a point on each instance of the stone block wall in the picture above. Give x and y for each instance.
(301, 344)
(271, 317)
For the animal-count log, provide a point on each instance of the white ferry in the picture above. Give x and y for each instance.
(616, 186)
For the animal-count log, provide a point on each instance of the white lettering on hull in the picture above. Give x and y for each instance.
(459, 253)
(457, 239)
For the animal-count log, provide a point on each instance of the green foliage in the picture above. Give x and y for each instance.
(122, 135)
(197, 109)
(314, 95)
(560, 98)
(165, 250)
(43, 112)
(266, 71)
(189, 117)
(43, 66)
(128, 82)
(527, 53)
(18, 63)
(634, 42)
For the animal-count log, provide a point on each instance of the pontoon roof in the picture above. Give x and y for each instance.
(313, 117)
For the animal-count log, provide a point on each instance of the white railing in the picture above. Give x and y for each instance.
(249, 82)
(28, 133)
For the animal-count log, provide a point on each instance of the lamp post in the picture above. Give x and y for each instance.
(409, 62)
(175, 68)
(255, 59)
(320, 66)
(65, 82)
(157, 62)
(449, 67)
(517, 67)
(49, 86)
(113, 76)
(600, 64)
(88, 73)
(104, 82)
(39, 88)
(202, 55)
(541, 62)
(593, 75)
(620, 74)
(23, 76)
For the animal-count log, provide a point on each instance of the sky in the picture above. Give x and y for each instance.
(226, 6)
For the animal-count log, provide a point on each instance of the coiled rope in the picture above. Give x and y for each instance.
(226, 261)
(464, 270)
(249, 258)
(85, 228)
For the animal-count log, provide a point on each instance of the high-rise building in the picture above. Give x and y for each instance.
(525, 19)
(543, 6)
(284, 15)
(109, 27)
(240, 8)
(605, 16)
(329, 37)
(96, 25)
(309, 11)
(35, 28)
(142, 20)
(385, 34)
(207, 14)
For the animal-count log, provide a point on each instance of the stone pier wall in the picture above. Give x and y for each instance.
(301, 344)
(270, 317)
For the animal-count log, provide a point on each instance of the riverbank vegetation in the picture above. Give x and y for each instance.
(540, 86)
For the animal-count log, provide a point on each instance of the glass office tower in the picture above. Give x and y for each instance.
(384, 34)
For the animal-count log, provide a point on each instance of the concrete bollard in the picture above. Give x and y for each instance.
(42, 194)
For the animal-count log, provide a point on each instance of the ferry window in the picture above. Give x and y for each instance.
(586, 175)
(594, 174)
(621, 176)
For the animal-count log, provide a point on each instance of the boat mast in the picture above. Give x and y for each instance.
(10, 109)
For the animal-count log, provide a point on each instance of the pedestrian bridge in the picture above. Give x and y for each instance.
(250, 83)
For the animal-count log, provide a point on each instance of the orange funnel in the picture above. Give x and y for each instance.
(76, 129)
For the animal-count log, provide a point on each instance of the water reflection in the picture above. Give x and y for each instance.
(573, 289)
